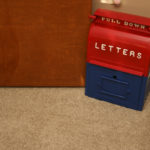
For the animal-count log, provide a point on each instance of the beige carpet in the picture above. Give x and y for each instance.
(65, 119)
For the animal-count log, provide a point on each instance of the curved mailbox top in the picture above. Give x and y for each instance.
(123, 16)
(120, 41)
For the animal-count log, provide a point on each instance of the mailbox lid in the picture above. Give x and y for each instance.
(119, 49)
(123, 16)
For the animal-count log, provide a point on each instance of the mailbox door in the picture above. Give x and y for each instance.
(115, 86)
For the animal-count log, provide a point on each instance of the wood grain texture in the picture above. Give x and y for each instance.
(43, 42)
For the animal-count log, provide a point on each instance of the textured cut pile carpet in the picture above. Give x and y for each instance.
(65, 119)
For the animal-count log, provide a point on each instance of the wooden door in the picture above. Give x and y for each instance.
(43, 42)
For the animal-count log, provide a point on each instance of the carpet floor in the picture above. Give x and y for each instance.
(65, 119)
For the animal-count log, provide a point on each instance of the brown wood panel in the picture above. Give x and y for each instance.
(43, 42)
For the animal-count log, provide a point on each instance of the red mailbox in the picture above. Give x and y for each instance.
(120, 41)
(118, 58)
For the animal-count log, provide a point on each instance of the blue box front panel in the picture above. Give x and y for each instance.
(116, 87)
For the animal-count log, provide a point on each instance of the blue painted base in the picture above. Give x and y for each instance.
(116, 87)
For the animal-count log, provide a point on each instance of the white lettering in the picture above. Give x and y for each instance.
(103, 47)
(125, 52)
(131, 24)
(136, 25)
(118, 49)
(142, 27)
(96, 46)
(103, 18)
(139, 55)
(108, 19)
(112, 20)
(110, 47)
(132, 53)
(126, 23)
(118, 22)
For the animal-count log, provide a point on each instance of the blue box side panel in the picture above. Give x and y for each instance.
(116, 87)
